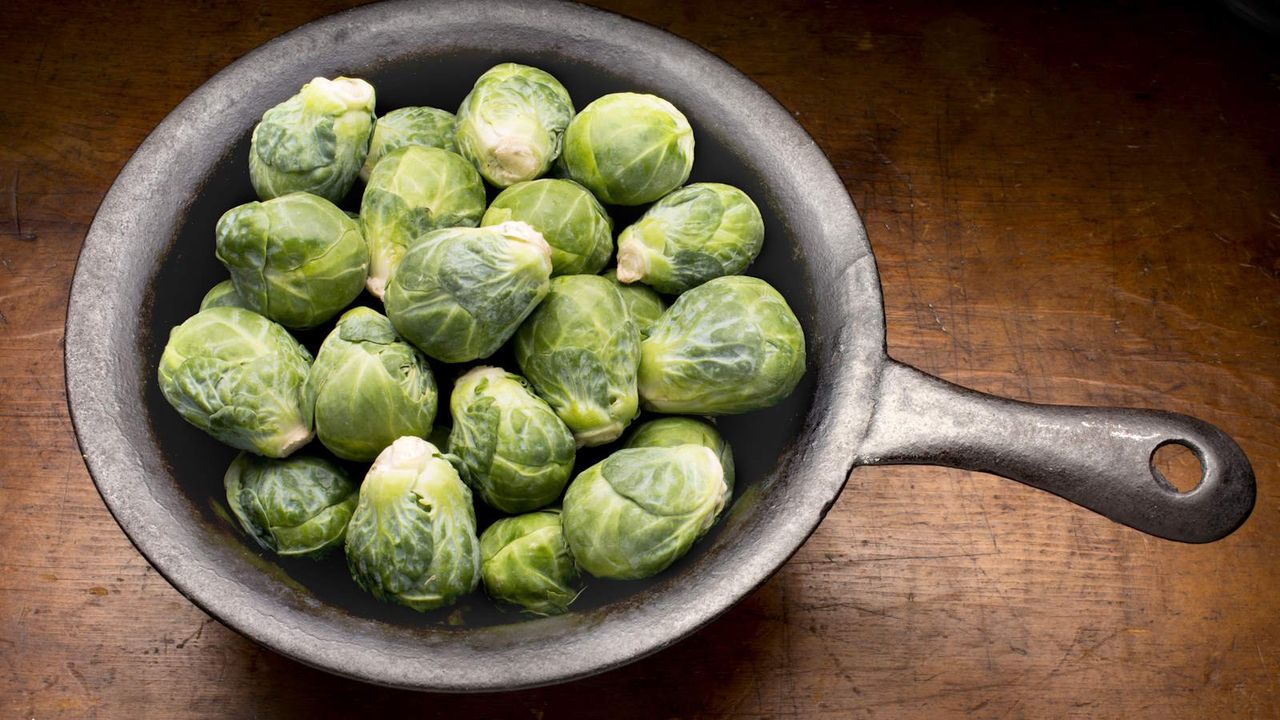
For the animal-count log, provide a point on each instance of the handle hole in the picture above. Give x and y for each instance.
(1178, 466)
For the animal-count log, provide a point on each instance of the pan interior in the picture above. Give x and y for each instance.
(791, 459)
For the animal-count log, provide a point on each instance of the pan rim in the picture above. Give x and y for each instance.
(849, 353)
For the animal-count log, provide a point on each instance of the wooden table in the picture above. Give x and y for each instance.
(1067, 205)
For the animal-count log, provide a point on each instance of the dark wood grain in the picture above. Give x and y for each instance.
(1074, 204)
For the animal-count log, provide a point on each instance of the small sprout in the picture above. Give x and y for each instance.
(222, 295)
(643, 304)
(570, 219)
(676, 431)
(513, 449)
(413, 191)
(241, 378)
(425, 126)
(525, 561)
(728, 346)
(629, 149)
(297, 259)
(579, 349)
(511, 124)
(633, 514)
(699, 232)
(412, 539)
(313, 142)
(294, 507)
(459, 294)
(370, 387)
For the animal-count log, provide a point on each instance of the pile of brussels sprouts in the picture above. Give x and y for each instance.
(460, 277)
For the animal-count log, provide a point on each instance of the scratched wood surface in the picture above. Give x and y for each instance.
(1067, 205)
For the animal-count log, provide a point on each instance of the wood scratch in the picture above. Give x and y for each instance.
(17, 219)
(193, 636)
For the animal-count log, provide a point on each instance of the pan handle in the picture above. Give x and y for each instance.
(1099, 458)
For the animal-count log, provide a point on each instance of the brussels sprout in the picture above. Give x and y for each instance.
(313, 142)
(415, 190)
(643, 304)
(696, 233)
(412, 538)
(629, 149)
(222, 295)
(579, 349)
(370, 387)
(674, 431)
(513, 448)
(241, 378)
(511, 124)
(296, 259)
(570, 219)
(425, 126)
(641, 509)
(458, 294)
(525, 561)
(439, 436)
(298, 507)
(725, 347)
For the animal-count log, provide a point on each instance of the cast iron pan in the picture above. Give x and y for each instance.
(148, 258)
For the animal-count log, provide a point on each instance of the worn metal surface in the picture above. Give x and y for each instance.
(135, 247)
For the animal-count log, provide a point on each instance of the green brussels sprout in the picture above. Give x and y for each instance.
(222, 295)
(459, 294)
(297, 259)
(511, 124)
(313, 142)
(514, 451)
(295, 507)
(525, 561)
(674, 431)
(439, 436)
(580, 351)
(570, 219)
(629, 149)
(241, 378)
(425, 126)
(725, 347)
(643, 304)
(641, 509)
(370, 387)
(415, 190)
(696, 233)
(412, 539)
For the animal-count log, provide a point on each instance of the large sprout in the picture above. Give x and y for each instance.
(298, 507)
(728, 346)
(425, 126)
(313, 142)
(511, 123)
(513, 449)
(459, 294)
(569, 217)
(413, 191)
(643, 304)
(297, 259)
(676, 431)
(579, 349)
(370, 387)
(696, 233)
(241, 378)
(412, 539)
(222, 295)
(525, 561)
(629, 149)
(641, 509)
